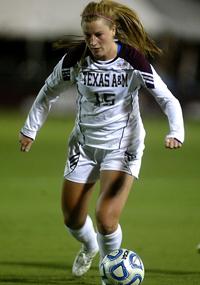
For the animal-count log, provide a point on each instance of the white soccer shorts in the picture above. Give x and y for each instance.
(84, 162)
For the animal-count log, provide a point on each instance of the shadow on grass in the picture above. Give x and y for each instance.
(44, 280)
(60, 274)
(63, 274)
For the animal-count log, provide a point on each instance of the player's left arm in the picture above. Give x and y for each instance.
(172, 109)
(172, 143)
(149, 79)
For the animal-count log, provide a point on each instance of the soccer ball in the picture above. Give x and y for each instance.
(122, 267)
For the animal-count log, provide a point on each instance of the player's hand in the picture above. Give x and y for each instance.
(25, 143)
(172, 143)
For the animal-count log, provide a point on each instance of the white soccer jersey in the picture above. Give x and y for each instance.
(108, 114)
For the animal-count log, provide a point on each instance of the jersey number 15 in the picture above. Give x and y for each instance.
(105, 99)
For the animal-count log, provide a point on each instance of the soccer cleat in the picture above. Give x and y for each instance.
(83, 261)
(198, 248)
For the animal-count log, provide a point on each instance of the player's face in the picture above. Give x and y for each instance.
(99, 37)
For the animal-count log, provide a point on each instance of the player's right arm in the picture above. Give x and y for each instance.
(25, 142)
(62, 76)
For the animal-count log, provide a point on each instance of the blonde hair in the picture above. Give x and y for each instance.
(129, 29)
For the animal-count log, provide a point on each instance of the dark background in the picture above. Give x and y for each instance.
(27, 59)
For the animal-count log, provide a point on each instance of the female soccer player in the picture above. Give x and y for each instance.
(108, 67)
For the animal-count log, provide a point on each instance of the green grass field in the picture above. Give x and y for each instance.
(161, 221)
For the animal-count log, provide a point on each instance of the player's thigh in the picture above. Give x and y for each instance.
(74, 200)
(114, 190)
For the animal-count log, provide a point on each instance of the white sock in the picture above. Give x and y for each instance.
(108, 243)
(86, 235)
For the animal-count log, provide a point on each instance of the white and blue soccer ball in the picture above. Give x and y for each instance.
(122, 267)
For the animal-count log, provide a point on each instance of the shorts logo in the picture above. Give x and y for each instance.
(66, 74)
(129, 156)
(73, 160)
